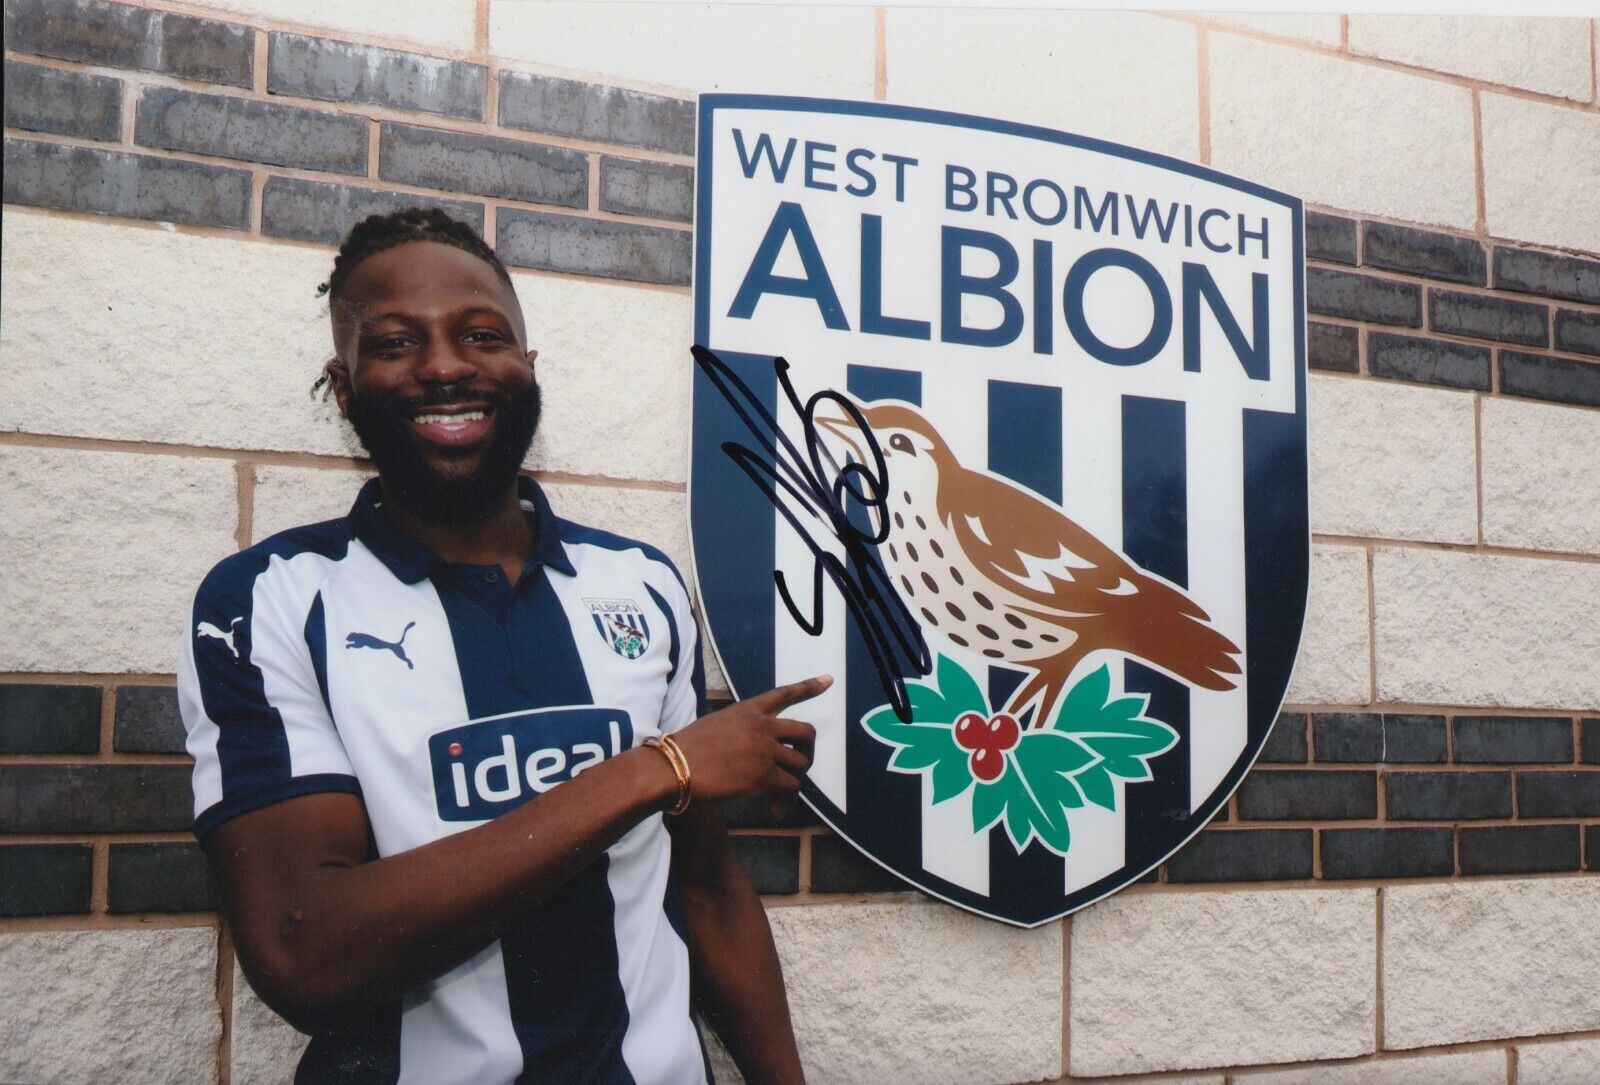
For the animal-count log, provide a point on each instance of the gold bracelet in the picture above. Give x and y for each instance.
(680, 768)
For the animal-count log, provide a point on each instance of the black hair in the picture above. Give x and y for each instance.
(379, 233)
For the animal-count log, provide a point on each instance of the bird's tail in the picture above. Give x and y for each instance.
(1171, 631)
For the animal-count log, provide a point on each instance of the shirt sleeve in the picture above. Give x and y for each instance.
(685, 701)
(251, 694)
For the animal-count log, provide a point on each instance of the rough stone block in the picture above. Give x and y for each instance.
(915, 970)
(126, 36)
(449, 23)
(159, 878)
(40, 99)
(1387, 853)
(302, 210)
(837, 867)
(141, 1005)
(1428, 361)
(1243, 977)
(1321, 29)
(148, 720)
(567, 107)
(36, 798)
(1446, 624)
(1512, 739)
(1482, 960)
(1087, 59)
(1243, 855)
(1279, 794)
(1558, 794)
(44, 879)
(1564, 1062)
(1392, 462)
(1535, 147)
(1287, 740)
(483, 165)
(1330, 237)
(1519, 849)
(265, 1048)
(1366, 139)
(1458, 1068)
(649, 189)
(1550, 274)
(1561, 380)
(580, 246)
(1446, 796)
(1456, 312)
(1335, 347)
(1424, 252)
(1362, 297)
(133, 185)
(229, 127)
(67, 513)
(1547, 55)
(1334, 662)
(1541, 476)
(771, 862)
(1379, 738)
(1578, 332)
(338, 71)
(49, 719)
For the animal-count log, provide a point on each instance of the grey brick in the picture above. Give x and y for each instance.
(1334, 347)
(279, 135)
(1447, 796)
(1558, 794)
(1287, 739)
(1379, 738)
(1505, 740)
(159, 878)
(651, 189)
(147, 720)
(49, 719)
(755, 812)
(1561, 380)
(1591, 847)
(1423, 252)
(1331, 238)
(124, 36)
(1243, 855)
(1519, 849)
(1575, 331)
(1362, 297)
(566, 107)
(337, 71)
(44, 879)
(771, 862)
(41, 99)
(1290, 793)
(1486, 317)
(1428, 361)
(837, 867)
(1387, 853)
(95, 798)
(607, 248)
(485, 165)
(319, 211)
(135, 186)
(1590, 741)
(1528, 272)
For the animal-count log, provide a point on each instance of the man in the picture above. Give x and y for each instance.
(420, 773)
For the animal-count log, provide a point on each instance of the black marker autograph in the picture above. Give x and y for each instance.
(816, 483)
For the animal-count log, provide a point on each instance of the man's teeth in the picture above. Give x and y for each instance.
(448, 419)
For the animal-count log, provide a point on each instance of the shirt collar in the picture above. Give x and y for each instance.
(411, 561)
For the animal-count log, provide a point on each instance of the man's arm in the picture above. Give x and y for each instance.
(738, 981)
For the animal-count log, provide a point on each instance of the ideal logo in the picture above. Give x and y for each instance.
(489, 766)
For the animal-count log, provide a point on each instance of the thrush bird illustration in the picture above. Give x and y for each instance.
(998, 570)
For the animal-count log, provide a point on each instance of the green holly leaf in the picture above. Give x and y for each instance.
(960, 691)
(922, 747)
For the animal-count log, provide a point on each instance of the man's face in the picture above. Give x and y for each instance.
(437, 380)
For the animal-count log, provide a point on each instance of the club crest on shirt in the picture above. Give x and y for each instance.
(622, 625)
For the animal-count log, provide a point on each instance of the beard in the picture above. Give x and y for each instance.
(468, 496)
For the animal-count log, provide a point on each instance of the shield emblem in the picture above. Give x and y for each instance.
(1005, 428)
(622, 625)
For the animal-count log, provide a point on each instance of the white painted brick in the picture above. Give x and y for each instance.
(1462, 1068)
(101, 553)
(1482, 960)
(126, 1005)
(1564, 1062)
(1173, 981)
(825, 51)
(1349, 135)
(920, 993)
(1541, 476)
(1541, 170)
(429, 22)
(1392, 461)
(1320, 29)
(1093, 74)
(1469, 629)
(1545, 54)
(265, 1048)
(1334, 664)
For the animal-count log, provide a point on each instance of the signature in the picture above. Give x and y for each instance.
(815, 493)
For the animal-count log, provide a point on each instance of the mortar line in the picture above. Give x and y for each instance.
(225, 1002)
(1477, 163)
(245, 480)
(880, 54)
(1203, 90)
(1377, 957)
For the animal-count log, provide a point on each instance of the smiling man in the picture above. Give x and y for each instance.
(453, 770)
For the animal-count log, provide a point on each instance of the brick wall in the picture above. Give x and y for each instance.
(1397, 891)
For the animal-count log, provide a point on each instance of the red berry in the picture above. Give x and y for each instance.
(987, 765)
(1004, 731)
(971, 731)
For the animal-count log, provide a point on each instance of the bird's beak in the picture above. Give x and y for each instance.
(832, 420)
